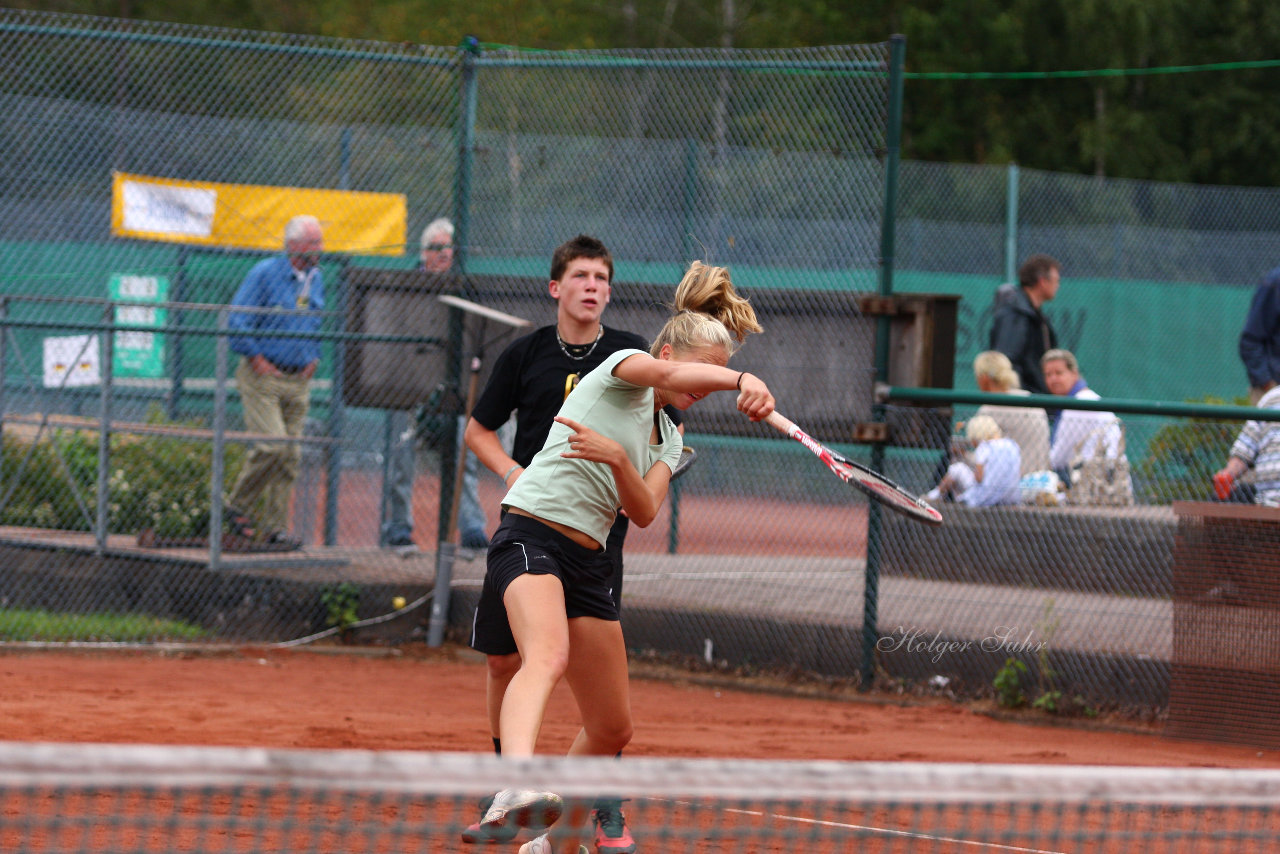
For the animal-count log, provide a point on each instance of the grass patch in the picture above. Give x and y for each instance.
(48, 626)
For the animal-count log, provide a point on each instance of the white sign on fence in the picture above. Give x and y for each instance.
(71, 360)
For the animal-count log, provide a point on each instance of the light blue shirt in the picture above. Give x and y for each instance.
(272, 283)
(1001, 463)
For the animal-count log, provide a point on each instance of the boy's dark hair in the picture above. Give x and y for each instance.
(1036, 268)
(582, 246)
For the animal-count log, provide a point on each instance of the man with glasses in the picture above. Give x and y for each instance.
(435, 257)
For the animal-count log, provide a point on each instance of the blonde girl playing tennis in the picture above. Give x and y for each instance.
(611, 449)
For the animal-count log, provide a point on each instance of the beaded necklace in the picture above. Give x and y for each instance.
(564, 348)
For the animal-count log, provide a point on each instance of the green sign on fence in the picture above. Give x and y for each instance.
(138, 353)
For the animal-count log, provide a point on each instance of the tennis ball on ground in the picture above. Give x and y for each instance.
(397, 602)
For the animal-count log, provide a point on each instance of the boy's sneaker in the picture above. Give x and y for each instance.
(542, 845)
(513, 809)
(612, 836)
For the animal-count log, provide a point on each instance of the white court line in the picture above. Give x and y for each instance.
(991, 846)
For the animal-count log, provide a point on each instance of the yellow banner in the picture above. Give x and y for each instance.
(246, 216)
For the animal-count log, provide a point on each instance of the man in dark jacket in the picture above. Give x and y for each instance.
(1260, 338)
(1019, 330)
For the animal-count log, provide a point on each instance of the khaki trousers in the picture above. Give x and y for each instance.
(276, 406)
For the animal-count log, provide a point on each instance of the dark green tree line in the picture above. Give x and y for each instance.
(1208, 126)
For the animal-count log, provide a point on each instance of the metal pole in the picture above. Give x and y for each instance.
(451, 468)
(1011, 225)
(337, 412)
(217, 469)
(4, 360)
(344, 160)
(673, 532)
(466, 154)
(451, 460)
(689, 199)
(106, 353)
(388, 448)
(174, 340)
(875, 531)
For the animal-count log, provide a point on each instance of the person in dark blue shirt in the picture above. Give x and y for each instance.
(274, 378)
(1260, 338)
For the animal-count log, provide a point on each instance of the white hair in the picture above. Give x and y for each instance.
(442, 226)
(297, 228)
(981, 428)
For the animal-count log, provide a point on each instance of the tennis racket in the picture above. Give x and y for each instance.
(873, 483)
(687, 457)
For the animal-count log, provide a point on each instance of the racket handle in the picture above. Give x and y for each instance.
(783, 425)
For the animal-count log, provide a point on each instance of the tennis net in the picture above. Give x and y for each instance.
(71, 798)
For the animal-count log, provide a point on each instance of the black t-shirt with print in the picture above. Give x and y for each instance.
(533, 376)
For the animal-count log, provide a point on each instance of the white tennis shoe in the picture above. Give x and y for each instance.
(542, 845)
(520, 808)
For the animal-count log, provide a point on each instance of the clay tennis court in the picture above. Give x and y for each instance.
(433, 700)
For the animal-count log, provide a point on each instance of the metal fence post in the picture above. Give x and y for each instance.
(4, 363)
(689, 199)
(175, 343)
(466, 154)
(106, 352)
(1011, 225)
(337, 411)
(875, 531)
(439, 619)
(217, 466)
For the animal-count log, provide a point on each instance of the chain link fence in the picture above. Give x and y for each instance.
(771, 162)
(768, 161)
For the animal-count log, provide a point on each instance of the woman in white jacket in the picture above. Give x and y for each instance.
(1077, 432)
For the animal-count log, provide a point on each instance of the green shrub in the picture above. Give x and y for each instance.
(1008, 684)
(1182, 457)
(156, 482)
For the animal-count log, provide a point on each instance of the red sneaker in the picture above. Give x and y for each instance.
(612, 836)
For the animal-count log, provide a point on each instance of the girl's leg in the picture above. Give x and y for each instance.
(597, 675)
(535, 609)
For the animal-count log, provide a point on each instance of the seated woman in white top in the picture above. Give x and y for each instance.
(989, 475)
(1026, 425)
(1078, 431)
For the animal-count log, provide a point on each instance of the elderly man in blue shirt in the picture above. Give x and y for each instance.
(274, 378)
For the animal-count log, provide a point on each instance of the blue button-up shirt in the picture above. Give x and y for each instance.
(272, 283)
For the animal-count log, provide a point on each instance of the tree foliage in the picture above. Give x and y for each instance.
(1207, 126)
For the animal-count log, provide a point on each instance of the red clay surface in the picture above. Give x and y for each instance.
(433, 700)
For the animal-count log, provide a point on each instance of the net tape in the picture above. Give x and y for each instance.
(106, 765)
(73, 798)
